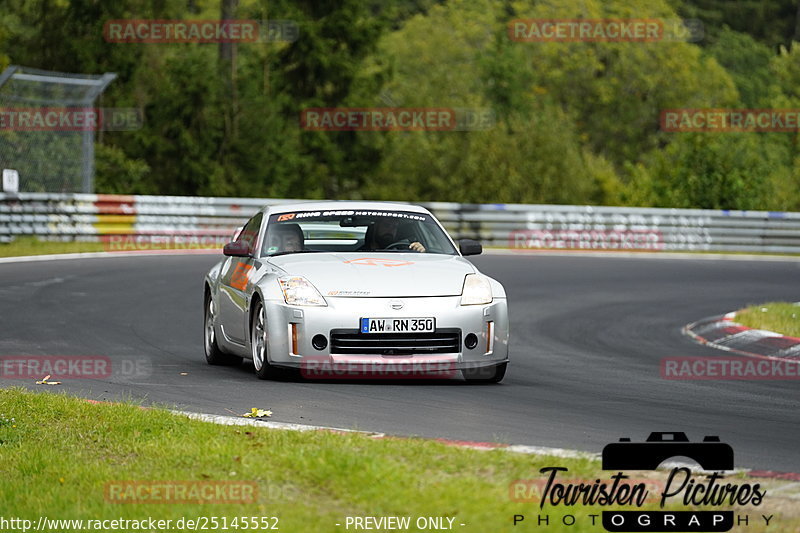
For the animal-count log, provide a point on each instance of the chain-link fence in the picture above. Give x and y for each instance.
(46, 128)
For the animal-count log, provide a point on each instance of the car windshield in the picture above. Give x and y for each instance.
(355, 231)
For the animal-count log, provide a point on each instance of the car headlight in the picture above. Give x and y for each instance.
(476, 290)
(299, 291)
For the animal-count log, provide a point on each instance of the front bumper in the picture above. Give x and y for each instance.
(292, 328)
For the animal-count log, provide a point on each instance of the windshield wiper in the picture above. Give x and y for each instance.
(295, 252)
(386, 250)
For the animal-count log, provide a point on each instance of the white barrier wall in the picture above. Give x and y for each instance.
(121, 218)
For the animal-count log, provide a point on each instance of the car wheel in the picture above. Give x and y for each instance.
(214, 356)
(258, 344)
(487, 374)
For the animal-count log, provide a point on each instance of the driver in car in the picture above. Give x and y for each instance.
(388, 231)
(286, 238)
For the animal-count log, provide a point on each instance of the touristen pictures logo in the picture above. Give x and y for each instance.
(706, 492)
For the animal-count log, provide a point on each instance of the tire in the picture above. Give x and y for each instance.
(487, 374)
(214, 356)
(258, 344)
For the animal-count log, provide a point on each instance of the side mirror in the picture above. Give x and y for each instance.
(236, 249)
(470, 247)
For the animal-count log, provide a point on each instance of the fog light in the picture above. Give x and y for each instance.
(319, 342)
(471, 341)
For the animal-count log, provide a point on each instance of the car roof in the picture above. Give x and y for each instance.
(343, 204)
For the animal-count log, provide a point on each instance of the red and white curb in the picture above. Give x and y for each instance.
(723, 333)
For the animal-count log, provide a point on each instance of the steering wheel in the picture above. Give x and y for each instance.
(402, 244)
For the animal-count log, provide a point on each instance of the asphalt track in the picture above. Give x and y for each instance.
(588, 334)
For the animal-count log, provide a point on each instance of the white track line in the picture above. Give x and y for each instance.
(516, 448)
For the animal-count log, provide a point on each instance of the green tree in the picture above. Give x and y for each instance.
(714, 170)
(748, 63)
(771, 22)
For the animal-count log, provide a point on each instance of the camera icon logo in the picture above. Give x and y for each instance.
(711, 454)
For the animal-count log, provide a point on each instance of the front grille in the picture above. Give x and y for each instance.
(350, 341)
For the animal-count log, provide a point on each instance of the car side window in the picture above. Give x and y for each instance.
(249, 233)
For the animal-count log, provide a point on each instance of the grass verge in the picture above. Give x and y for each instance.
(780, 317)
(25, 246)
(33, 246)
(59, 454)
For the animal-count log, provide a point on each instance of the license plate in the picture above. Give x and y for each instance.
(398, 325)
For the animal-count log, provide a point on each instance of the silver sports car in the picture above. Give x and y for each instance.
(339, 289)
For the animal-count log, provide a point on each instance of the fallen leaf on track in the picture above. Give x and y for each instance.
(257, 413)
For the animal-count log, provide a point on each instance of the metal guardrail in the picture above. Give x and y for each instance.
(130, 221)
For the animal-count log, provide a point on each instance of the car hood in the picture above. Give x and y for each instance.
(379, 274)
